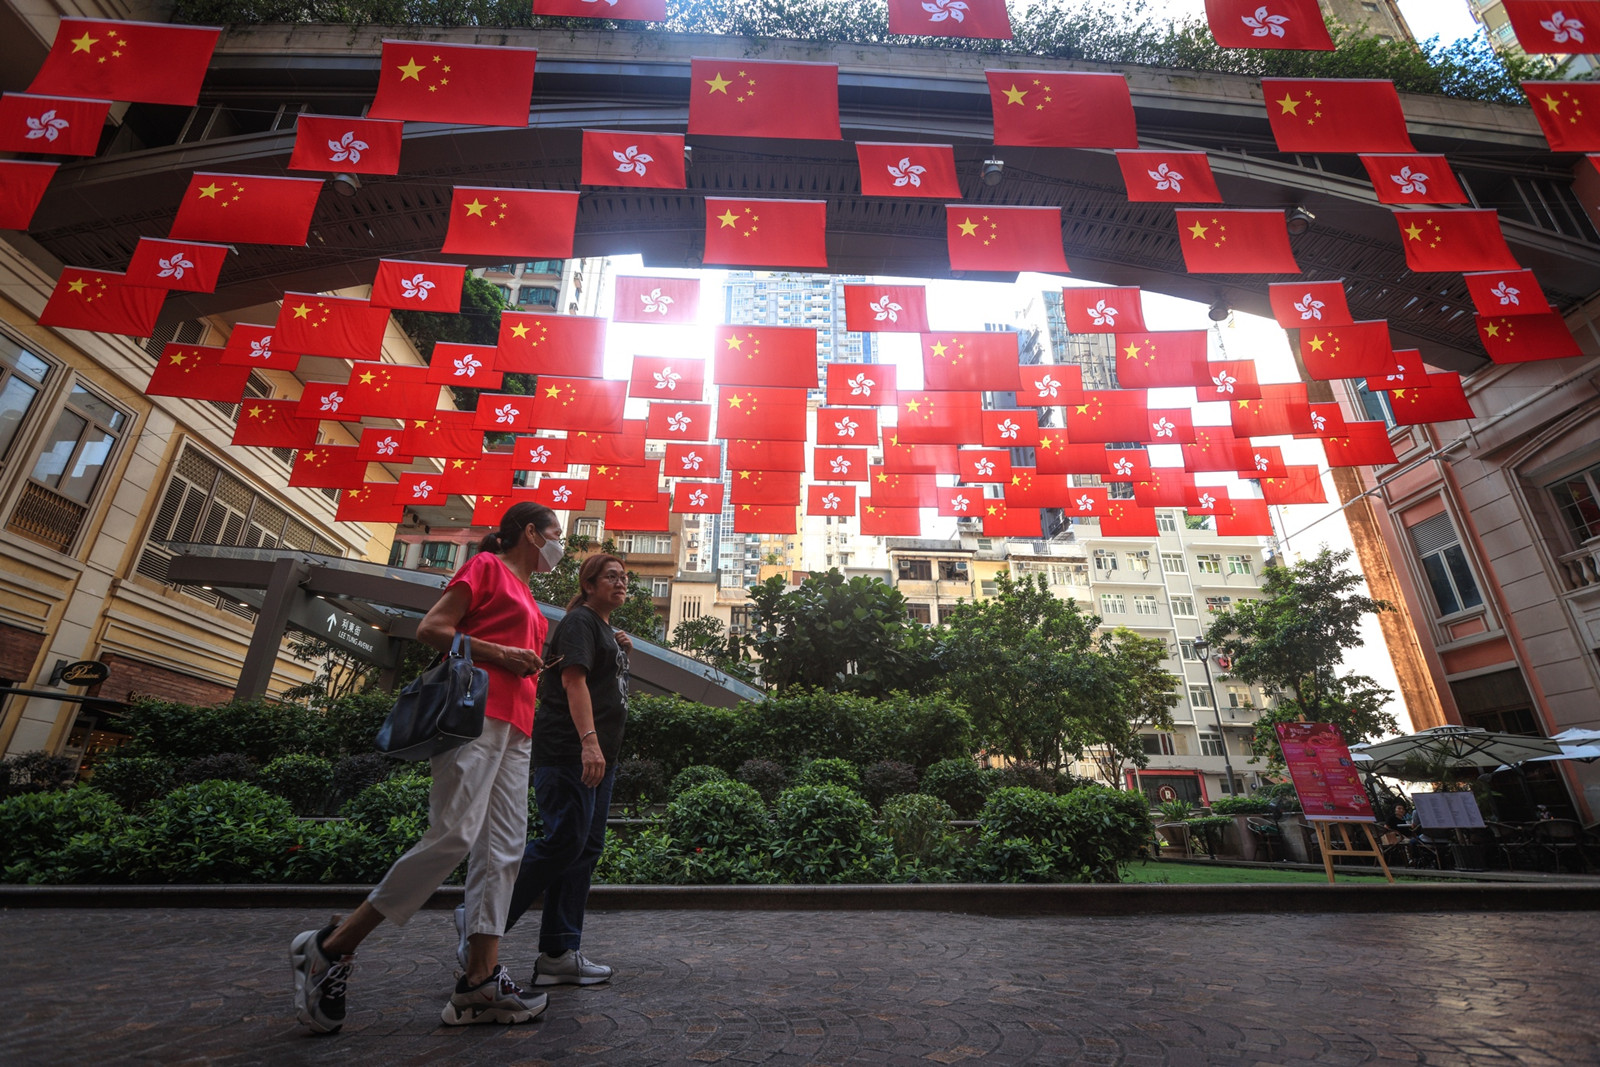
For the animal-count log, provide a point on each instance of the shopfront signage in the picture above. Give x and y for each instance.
(85, 672)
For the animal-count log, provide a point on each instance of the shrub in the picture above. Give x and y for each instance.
(218, 831)
(133, 781)
(891, 778)
(765, 776)
(918, 826)
(1033, 776)
(222, 767)
(1021, 835)
(840, 772)
(960, 783)
(352, 852)
(306, 782)
(639, 782)
(648, 858)
(680, 733)
(921, 731)
(351, 722)
(698, 774)
(822, 833)
(36, 772)
(821, 725)
(255, 728)
(374, 806)
(37, 825)
(717, 815)
(352, 774)
(1251, 805)
(1104, 828)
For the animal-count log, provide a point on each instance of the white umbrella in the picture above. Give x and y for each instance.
(1578, 735)
(1453, 746)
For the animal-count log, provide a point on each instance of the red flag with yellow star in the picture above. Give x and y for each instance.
(251, 345)
(862, 384)
(766, 233)
(1454, 240)
(1413, 179)
(1236, 242)
(764, 487)
(340, 144)
(139, 62)
(766, 455)
(462, 84)
(831, 500)
(985, 465)
(473, 366)
(1056, 455)
(1363, 444)
(196, 372)
(189, 266)
(763, 98)
(1336, 115)
(101, 300)
(579, 404)
(1052, 109)
(246, 209)
(1002, 520)
(665, 378)
(540, 454)
(759, 413)
(881, 520)
(1009, 428)
(931, 417)
(570, 345)
(1526, 338)
(449, 434)
(488, 510)
(694, 460)
(1214, 449)
(1250, 518)
(1568, 113)
(329, 467)
(886, 308)
(53, 125)
(1167, 487)
(333, 326)
(374, 502)
(1281, 409)
(1299, 484)
(1109, 415)
(1103, 309)
(846, 426)
(22, 186)
(678, 422)
(981, 361)
(1029, 488)
(902, 458)
(1353, 351)
(765, 355)
(519, 223)
(636, 484)
(766, 518)
(1125, 518)
(1163, 177)
(1308, 305)
(1442, 399)
(635, 160)
(1049, 385)
(1295, 24)
(899, 490)
(839, 465)
(1005, 238)
(273, 424)
(1159, 359)
(490, 473)
(697, 498)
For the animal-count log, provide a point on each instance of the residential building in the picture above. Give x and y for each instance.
(565, 286)
(932, 575)
(1382, 18)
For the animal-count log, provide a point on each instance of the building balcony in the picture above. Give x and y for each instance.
(1581, 569)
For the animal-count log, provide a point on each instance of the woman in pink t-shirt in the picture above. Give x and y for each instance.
(478, 802)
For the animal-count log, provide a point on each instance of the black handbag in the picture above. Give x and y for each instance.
(440, 710)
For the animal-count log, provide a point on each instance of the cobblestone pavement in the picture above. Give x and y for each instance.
(787, 989)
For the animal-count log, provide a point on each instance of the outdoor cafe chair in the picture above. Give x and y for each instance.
(1513, 842)
(1560, 838)
(1268, 836)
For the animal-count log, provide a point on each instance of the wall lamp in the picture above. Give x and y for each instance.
(993, 171)
(1300, 221)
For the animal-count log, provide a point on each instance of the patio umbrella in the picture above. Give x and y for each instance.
(1452, 747)
(1578, 735)
(1580, 753)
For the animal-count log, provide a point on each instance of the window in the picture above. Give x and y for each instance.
(541, 266)
(1218, 603)
(952, 570)
(1211, 745)
(1239, 696)
(1444, 562)
(1239, 565)
(397, 553)
(1172, 563)
(1375, 405)
(1199, 696)
(537, 296)
(1577, 498)
(989, 588)
(1182, 605)
(1112, 604)
(1208, 563)
(441, 555)
(660, 587)
(1105, 561)
(1144, 604)
(657, 544)
(64, 477)
(1156, 744)
(589, 528)
(1186, 649)
(922, 613)
(1166, 522)
(22, 375)
(915, 570)
(1139, 562)
(739, 619)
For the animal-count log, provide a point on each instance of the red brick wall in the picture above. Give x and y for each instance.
(133, 678)
(18, 651)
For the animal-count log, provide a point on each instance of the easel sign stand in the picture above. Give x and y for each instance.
(1330, 789)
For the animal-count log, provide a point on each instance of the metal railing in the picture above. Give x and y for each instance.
(46, 516)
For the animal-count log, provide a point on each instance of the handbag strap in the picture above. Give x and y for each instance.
(461, 647)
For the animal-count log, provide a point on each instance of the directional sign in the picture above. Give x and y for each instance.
(315, 616)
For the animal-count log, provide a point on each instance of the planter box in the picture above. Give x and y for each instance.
(1295, 832)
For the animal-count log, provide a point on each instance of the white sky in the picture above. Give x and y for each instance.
(1449, 20)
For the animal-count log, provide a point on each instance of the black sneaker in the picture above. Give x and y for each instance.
(319, 981)
(494, 1000)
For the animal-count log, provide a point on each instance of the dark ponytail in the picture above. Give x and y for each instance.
(517, 518)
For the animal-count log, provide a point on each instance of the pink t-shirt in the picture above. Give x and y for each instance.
(502, 610)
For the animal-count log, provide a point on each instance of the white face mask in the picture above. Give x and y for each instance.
(550, 554)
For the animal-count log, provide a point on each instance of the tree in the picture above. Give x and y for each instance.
(1291, 642)
(637, 615)
(1146, 695)
(339, 674)
(703, 639)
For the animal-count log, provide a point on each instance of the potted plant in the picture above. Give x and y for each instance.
(1174, 822)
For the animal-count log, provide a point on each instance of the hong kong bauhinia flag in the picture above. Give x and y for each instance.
(762, 98)
(638, 160)
(1052, 109)
(1454, 240)
(861, 384)
(656, 300)
(188, 266)
(140, 62)
(52, 125)
(418, 286)
(196, 372)
(102, 301)
(886, 308)
(765, 233)
(1302, 305)
(1336, 115)
(1005, 238)
(1507, 292)
(908, 170)
(1268, 24)
(666, 378)
(1568, 113)
(950, 18)
(246, 209)
(1413, 179)
(337, 144)
(1236, 242)
(630, 10)
(668, 421)
(1103, 309)
(22, 186)
(1050, 385)
(465, 84)
(697, 498)
(1168, 177)
(534, 223)
(339, 327)
(1554, 27)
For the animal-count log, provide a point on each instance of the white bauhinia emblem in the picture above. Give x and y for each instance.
(347, 148)
(691, 461)
(1411, 181)
(1261, 462)
(1319, 421)
(667, 378)
(1102, 315)
(954, 10)
(1265, 24)
(830, 502)
(261, 349)
(861, 385)
(1086, 503)
(388, 446)
(1162, 427)
(698, 498)
(983, 467)
(421, 490)
(1008, 429)
(677, 422)
(1506, 293)
(884, 308)
(331, 402)
(506, 414)
(48, 125)
(846, 427)
(539, 455)
(1047, 386)
(839, 465)
(1207, 501)
(1310, 308)
(1124, 465)
(466, 365)
(656, 302)
(632, 161)
(1224, 382)
(561, 494)
(174, 266)
(1166, 179)
(415, 287)
(959, 503)
(906, 173)
(1562, 28)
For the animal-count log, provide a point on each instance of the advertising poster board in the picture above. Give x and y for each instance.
(1323, 773)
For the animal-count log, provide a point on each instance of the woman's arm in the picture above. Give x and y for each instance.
(575, 680)
(438, 630)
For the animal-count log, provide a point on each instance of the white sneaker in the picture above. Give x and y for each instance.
(319, 981)
(461, 935)
(569, 968)
(494, 1000)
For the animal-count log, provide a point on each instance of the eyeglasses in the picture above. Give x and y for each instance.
(617, 579)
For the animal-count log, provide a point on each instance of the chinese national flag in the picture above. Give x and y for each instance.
(1236, 242)
(632, 10)
(22, 186)
(1160, 359)
(246, 209)
(917, 459)
(184, 265)
(1507, 292)
(522, 223)
(540, 454)
(1442, 399)
(139, 62)
(831, 500)
(488, 510)
(959, 501)
(767, 455)
(1167, 487)
(839, 465)
(1553, 27)
(908, 170)
(461, 84)
(761, 98)
(1568, 113)
(1125, 518)
(473, 366)
(1005, 238)
(939, 418)
(102, 301)
(846, 426)
(490, 473)
(1014, 428)
(250, 345)
(1208, 500)
(1526, 338)
(418, 286)
(1052, 109)
(981, 361)
(53, 125)
(1285, 24)
(329, 467)
(624, 449)
(1413, 179)
(1215, 449)
(1029, 488)
(638, 514)
(1456, 240)
(985, 465)
(1049, 385)
(1168, 177)
(898, 490)
(503, 413)
(579, 404)
(1281, 409)
(886, 308)
(1250, 518)
(571, 345)
(379, 445)
(273, 424)
(697, 498)
(862, 384)
(1056, 455)
(1354, 351)
(1103, 309)
(195, 372)
(883, 521)
(561, 494)
(448, 435)
(1297, 485)
(665, 378)
(338, 144)
(1001, 520)
(421, 489)
(766, 518)
(393, 391)
(625, 483)
(766, 233)
(678, 422)
(635, 160)
(1168, 426)
(765, 355)
(656, 300)
(968, 18)
(333, 326)
(764, 487)
(1303, 305)
(765, 413)
(1336, 115)
(374, 502)
(698, 460)
(1227, 379)
(1364, 444)
(1109, 415)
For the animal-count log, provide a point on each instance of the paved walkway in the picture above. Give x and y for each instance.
(788, 989)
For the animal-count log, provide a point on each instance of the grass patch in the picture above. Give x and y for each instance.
(1151, 872)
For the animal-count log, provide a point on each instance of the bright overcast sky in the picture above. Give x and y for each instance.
(1446, 19)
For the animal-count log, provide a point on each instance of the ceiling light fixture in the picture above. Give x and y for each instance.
(993, 171)
(1300, 221)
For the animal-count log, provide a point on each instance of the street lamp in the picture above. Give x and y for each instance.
(1201, 648)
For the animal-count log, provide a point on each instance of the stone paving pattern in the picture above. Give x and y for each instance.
(789, 989)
